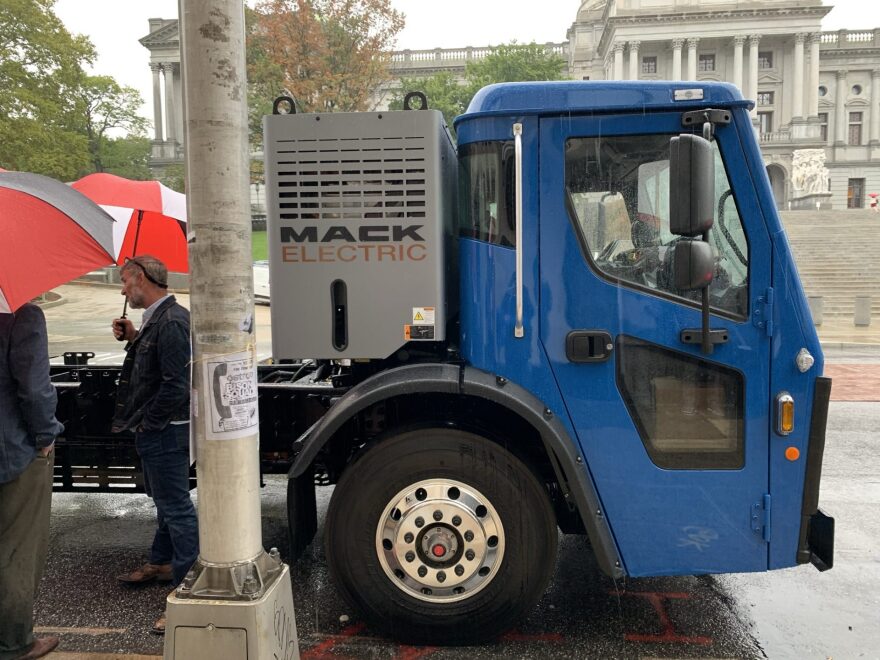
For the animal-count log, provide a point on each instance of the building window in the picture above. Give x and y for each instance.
(856, 90)
(649, 64)
(765, 98)
(823, 91)
(706, 62)
(823, 126)
(765, 59)
(855, 194)
(855, 129)
(765, 122)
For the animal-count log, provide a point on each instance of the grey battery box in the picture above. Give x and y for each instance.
(361, 211)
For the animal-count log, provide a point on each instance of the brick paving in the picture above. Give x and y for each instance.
(854, 382)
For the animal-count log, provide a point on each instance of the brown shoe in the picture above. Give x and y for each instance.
(41, 646)
(147, 572)
(159, 627)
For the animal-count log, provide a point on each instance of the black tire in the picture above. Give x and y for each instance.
(496, 558)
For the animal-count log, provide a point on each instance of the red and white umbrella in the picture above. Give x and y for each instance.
(150, 217)
(49, 235)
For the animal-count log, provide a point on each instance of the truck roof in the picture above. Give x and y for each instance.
(576, 96)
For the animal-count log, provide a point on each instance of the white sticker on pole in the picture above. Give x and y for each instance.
(231, 381)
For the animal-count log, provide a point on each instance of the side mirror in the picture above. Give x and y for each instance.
(693, 265)
(691, 185)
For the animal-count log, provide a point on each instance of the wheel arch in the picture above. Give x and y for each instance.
(562, 454)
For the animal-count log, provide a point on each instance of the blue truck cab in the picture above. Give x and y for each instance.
(628, 351)
(691, 469)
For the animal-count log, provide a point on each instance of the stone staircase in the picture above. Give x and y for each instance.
(838, 257)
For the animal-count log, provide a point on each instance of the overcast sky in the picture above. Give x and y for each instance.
(114, 27)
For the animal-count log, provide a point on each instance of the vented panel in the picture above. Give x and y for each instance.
(360, 221)
(351, 178)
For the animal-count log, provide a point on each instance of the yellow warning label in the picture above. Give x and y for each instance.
(423, 316)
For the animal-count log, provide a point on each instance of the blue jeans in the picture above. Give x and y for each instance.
(165, 457)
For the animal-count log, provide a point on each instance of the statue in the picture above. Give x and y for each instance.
(809, 174)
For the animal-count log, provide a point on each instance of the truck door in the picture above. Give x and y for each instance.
(676, 440)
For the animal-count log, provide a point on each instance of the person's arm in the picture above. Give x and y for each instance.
(174, 352)
(29, 366)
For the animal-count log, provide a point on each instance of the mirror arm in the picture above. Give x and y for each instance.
(706, 344)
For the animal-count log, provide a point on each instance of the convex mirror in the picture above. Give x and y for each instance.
(693, 265)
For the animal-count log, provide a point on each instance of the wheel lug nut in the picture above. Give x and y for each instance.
(470, 555)
(410, 556)
(420, 522)
(456, 520)
(408, 537)
(459, 570)
(441, 577)
(468, 535)
(438, 515)
(422, 571)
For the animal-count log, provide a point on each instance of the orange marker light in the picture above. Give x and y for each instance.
(784, 413)
(792, 453)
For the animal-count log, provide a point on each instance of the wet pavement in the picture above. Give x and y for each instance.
(793, 613)
(583, 614)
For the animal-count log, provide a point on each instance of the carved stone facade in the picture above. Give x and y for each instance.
(813, 89)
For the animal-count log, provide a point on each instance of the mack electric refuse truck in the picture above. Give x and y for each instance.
(582, 316)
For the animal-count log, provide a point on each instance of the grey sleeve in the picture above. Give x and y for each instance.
(29, 366)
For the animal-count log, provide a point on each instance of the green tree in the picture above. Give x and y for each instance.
(128, 157)
(41, 68)
(174, 176)
(443, 91)
(105, 109)
(514, 63)
(509, 63)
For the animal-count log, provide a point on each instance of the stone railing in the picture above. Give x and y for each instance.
(776, 136)
(454, 58)
(851, 39)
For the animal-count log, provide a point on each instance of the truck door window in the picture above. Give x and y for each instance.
(617, 190)
(486, 192)
(689, 412)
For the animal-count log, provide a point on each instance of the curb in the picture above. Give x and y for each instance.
(52, 303)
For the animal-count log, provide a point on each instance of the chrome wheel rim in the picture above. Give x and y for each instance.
(440, 541)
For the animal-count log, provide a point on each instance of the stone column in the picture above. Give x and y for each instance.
(618, 61)
(738, 42)
(634, 60)
(170, 109)
(752, 92)
(157, 104)
(692, 58)
(875, 106)
(797, 109)
(676, 58)
(840, 109)
(813, 91)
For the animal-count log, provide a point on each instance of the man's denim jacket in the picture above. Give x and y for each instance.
(27, 396)
(155, 380)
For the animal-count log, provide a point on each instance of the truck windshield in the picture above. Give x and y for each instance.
(618, 192)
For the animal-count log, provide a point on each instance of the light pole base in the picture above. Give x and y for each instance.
(260, 629)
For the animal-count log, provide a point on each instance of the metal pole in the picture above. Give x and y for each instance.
(237, 600)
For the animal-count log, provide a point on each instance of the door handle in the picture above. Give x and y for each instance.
(588, 346)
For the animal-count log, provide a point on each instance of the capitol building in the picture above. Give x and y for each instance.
(812, 89)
